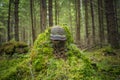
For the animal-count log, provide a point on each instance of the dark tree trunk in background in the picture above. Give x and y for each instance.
(50, 13)
(56, 12)
(86, 22)
(43, 15)
(9, 14)
(12, 28)
(34, 18)
(16, 20)
(93, 23)
(77, 21)
(115, 4)
(111, 24)
(70, 17)
(101, 26)
(32, 21)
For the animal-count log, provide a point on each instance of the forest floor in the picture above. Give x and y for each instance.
(106, 62)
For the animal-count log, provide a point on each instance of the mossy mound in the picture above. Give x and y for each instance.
(43, 65)
(48, 67)
(13, 47)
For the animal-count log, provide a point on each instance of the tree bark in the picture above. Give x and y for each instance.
(32, 21)
(43, 15)
(56, 12)
(9, 14)
(86, 22)
(93, 23)
(50, 13)
(70, 17)
(115, 4)
(101, 26)
(111, 24)
(16, 7)
(78, 21)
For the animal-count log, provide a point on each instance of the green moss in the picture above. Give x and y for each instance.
(108, 66)
(43, 65)
(12, 47)
(47, 67)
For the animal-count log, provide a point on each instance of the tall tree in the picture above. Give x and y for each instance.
(115, 4)
(16, 7)
(50, 13)
(56, 12)
(70, 16)
(77, 4)
(93, 23)
(32, 20)
(101, 26)
(43, 15)
(111, 24)
(9, 13)
(86, 22)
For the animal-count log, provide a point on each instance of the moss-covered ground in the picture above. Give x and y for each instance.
(41, 64)
(106, 62)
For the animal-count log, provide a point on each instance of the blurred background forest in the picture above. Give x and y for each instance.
(92, 22)
(94, 25)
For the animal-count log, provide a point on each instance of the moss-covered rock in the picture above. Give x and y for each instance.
(12, 47)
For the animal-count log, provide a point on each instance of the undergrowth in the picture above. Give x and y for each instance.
(46, 66)
(41, 64)
(13, 47)
(107, 62)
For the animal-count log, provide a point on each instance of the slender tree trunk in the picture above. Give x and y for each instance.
(50, 13)
(32, 21)
(101, 26)
(78, 21)
(56, 12)
(16, 20)
(12, 29)
(93, 23)
(43, 15)
(111, 24)
(115, 4)
(9, 14)
(70, 16)
(0, 37)
(86, 22)
(24, 33)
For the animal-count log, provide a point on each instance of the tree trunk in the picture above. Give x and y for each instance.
(43, 15)
(93, 23)
(50, 13)
(32, 22)
(16, 20)
(78, 21)
(56, 12)
(86, 22)
(9, 14)
(70, 17)
(101, 26)
(111, 24)
(115, 4)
